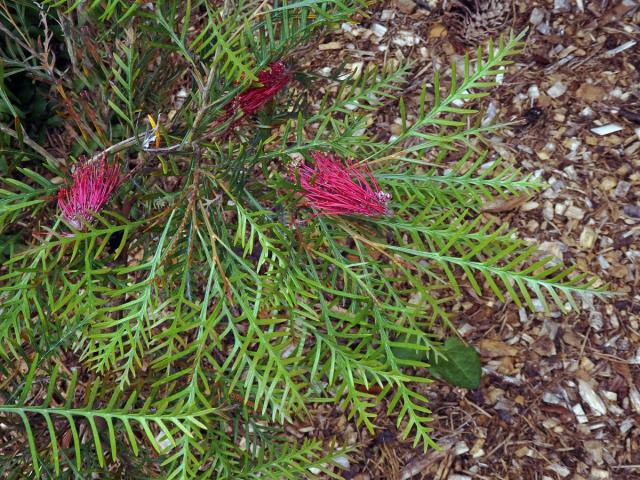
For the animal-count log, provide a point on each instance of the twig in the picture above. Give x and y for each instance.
(118, 147)
(34, 146)
(173, 148)
(23, 43)
(10, 34)
(210, 78)
(64, 24)
(204, 104)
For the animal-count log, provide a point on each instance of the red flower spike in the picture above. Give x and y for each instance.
(92, 187)
(270, 82)
(333, 188)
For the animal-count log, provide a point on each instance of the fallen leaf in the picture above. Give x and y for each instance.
(590, 93)
(438, 31)
(505, 204)
(496, 348)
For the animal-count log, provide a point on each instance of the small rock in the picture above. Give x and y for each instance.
(631, 211)
(537, 16)
(529, 206)
(347, 27)
(561, 6)
(537, 305)
(604, 264)
(587, 301)
(571, 172)
(632, 149)
(406, 38)
(636, 358)
(607, 129)
(572, 144)
(622, 189)
(181, 97)
(586, 112)
(379, 30)
(591, 398)
(608, 183)
(599, 474)
(405, 6)
(477, 451)
(596, 321)
(415, 298)
(547, 151)
(544, 28)
(342, 461)
(388, 14)
(579, 413)
(555, 249)
(330, 46)
(543, 155)
(626, 425)
(621, 48)
(588, 238)
(533, 92)
(490, 115)
(560, 469)
(552, 399)
(575, 213)
(557, 90)
(547, 211)
(618, 93)
(554, 189)
(560, 208)
(634, 396)
(522, 314)
(460, 449)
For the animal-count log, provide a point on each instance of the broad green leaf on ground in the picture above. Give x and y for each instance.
(459, 364)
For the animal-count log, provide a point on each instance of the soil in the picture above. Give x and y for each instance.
(560, 395)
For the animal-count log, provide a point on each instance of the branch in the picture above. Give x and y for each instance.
(37, 148)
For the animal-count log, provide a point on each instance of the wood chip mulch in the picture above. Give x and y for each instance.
(560, 394)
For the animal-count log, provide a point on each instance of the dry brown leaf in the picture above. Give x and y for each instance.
(496, 348)
(505, 204)
(590, 93)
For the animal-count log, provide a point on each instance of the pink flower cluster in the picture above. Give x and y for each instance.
(330, 186)
(92, 186)
(270, 82)
(334, 188)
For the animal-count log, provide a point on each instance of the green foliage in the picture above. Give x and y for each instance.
(116, 415)
(205, 307)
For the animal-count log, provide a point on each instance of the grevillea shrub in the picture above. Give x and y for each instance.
(216, 239)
